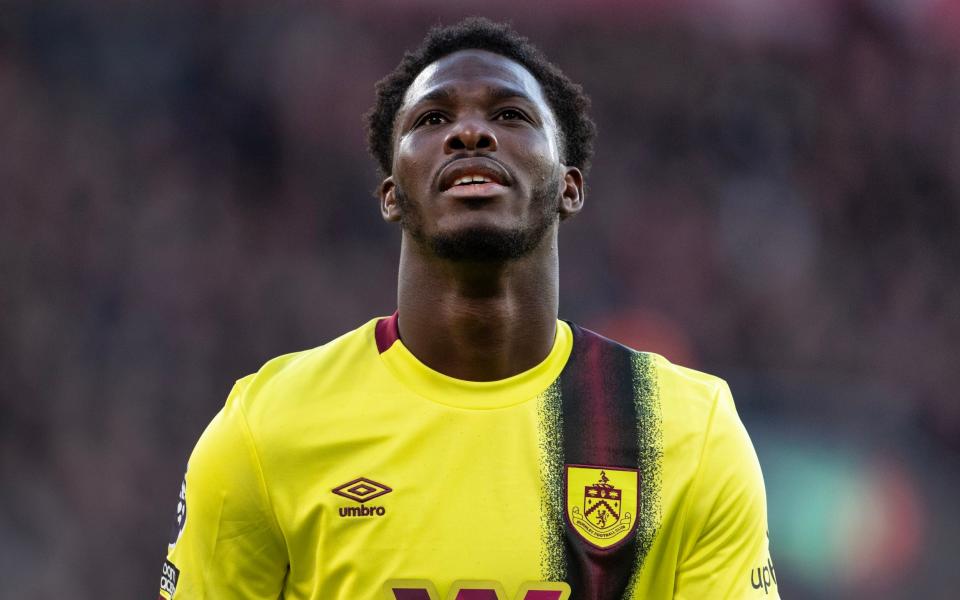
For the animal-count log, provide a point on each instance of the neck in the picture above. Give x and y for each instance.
(478, 321)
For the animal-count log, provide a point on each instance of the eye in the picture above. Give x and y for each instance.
(431, 118)
(511, 114)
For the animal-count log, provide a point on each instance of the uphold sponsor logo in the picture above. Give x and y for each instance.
(602, 503)
(362, 490)
(763, 576)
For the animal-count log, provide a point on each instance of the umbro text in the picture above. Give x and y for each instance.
(362, 511)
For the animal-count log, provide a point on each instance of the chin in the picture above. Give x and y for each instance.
(485, 243)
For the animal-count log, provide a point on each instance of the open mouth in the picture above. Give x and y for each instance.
(471, 180)
(475, 187)
(474, 175)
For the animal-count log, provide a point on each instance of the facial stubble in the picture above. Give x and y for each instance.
(485, 243)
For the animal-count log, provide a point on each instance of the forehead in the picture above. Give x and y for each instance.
(468, 69)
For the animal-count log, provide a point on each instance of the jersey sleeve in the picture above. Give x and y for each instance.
(726, 548)
(227, 543)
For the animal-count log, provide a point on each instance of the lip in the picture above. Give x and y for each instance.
(476, 190)
(486, 167)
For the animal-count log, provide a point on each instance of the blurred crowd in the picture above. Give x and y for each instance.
(185, 193)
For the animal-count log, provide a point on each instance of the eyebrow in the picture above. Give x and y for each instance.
(508, 93)
(443, 94)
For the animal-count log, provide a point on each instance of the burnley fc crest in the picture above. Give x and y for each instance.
(602, 503)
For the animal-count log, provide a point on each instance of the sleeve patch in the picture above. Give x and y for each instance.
(181, 517)
(168, 580)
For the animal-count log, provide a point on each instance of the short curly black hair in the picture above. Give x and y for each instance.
(570, 105)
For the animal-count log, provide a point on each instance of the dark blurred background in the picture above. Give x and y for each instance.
(185, 193)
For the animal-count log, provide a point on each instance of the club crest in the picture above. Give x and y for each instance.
(602, 503)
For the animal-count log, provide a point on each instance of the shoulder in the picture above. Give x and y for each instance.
(680, 387)
(291, 381)
(691, 409)
(328, 358)
(691, 391)
(697, 409)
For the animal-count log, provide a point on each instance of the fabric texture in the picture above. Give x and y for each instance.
(352, 470)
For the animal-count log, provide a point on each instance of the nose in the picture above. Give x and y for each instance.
(470, 134)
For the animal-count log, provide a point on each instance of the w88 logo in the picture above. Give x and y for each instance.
(421, 589)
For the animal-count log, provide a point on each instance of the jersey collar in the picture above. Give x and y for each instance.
(459, 393)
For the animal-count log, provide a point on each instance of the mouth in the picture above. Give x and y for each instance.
(474, 177)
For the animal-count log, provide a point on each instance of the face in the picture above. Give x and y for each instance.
(477, 173)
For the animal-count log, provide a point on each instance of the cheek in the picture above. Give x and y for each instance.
(540, 167)
(410, 167)
(540, 156)
(404, 149)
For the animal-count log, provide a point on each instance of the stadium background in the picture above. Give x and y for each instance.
(186, 193)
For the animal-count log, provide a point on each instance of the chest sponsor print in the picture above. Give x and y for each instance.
(421, 589)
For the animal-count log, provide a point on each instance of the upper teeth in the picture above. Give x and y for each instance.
(471, 179)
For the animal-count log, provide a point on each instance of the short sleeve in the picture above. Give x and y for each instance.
(226, 543)
(725, 552)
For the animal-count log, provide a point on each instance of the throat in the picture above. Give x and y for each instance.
(472, 342)
(478, 321)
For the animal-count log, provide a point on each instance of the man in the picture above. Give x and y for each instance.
(473, 446)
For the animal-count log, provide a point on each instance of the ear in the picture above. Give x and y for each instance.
(389, 207)
(571, 196)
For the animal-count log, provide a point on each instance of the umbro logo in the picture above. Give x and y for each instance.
(362, 490)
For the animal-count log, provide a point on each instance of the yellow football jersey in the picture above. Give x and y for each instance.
(352, 471)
